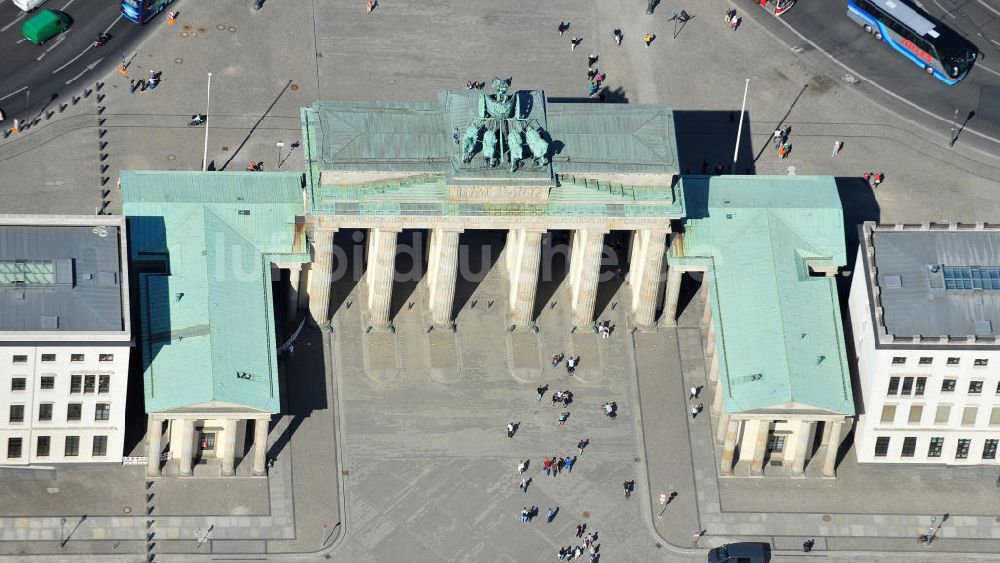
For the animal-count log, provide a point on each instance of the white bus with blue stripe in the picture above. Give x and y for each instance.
(933, 47)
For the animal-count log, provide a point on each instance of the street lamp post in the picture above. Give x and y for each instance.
(279, 144)
(208, 103)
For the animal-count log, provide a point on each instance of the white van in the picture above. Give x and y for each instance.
(28, 5)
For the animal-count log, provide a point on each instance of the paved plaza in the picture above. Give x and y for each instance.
(426, 471)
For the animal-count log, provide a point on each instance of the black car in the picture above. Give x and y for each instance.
(745, 552)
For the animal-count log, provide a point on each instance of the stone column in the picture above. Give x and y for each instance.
(260, 446)
(523, 260)
(442, 273)
(320, 276)
(674, 277)
(706, 314)
(830, 461)
(729, 447)
(648, 247)
(717, 400)
(801, 447)
(229, 447)
(381, 267)
(720, 431)
(759, 448)
(584, 271)
(292, 302)
(187, 445)
(154, 434)
(713, 369)
(710, 341)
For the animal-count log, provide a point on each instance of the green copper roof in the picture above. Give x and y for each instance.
(779, 333)
(207, 240)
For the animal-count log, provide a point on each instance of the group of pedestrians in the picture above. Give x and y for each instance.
(696, 408)
(874, 179)
(733, 19)
(571, 362)
(555, 466)
(589, 546)
(780, 139)
(148, 84)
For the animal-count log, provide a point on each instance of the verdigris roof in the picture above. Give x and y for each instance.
(62, 274)
(938, 282)
(779, 333)
(207, 240)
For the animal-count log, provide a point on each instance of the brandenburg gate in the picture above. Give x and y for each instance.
(509, 160)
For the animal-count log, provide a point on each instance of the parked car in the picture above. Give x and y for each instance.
(44, 26)
(28, 5)
(744, 552)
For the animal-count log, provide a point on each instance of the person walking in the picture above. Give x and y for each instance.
(837, 145)
(552, 463)
(778, 137)
(550, 515)
(591, 59)
(730, 14)
(877, 180)
(627, 486)
(648, 39)
(563, 26)
(617, 33)
(579, 530)
(562, 418)
(735, 22)
(574, 43)
(868, 178)
(541, 389)
(524, 485)
(696, 410)
(547, 465)
(371, 5)
(521, 467)
(582, 444)
(524, 515)
(556, 398)
(569, 465)
(693, 393)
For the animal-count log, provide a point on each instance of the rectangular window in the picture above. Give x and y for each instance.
(20, 359)
(907, 385)
(918, 389)
(962, 451)
(18, 384)
(775, 442)
(899, 360)
(975, 387)
(104, 384)
(948, 386)
(981, 362)
(990, 449)
(48, 357)
(969, 416)
(13, 448)
(916, 413)
(881, 446)
(45, 412)
(72, 448)
(74, 411)
(943, 414)
(893, 386)
(952, 361)
(888, 414)
(42, 447)
(909, 446)
(106, 357)
(48, 382)
(89, 381)
(75, 383)
(925, 361)
(100, 448)
(102, 411)
(76, 357)
(16, 413)
(934, 450)
(995, 416)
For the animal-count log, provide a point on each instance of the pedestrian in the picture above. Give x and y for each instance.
(577, 552)
(786, 133)
(591, 59)
(784, 150)
(877, 180)
(617, 33)
(778, 137)
(371, 5)
(141, 85)
(550, 515)
(579, 530)
(541, 389)
(567, 398)
(510, 429)
(693, 393)
(648, 39)
(807, 546)
(131, 87)
(547, 465)
(868, 178)
(837, 145)
(735, 22)
(524, 485)
(556, 358)
(561, 464)
(524, 515)
(563, 26)
(552, 463)
(574, 42)
(627, 486)
(730, 14)
(562, 553)
(582, 444)
(562, 418)
(556, 398)
(569, 465)
(696, 410)
(521, 467)
(599, 77)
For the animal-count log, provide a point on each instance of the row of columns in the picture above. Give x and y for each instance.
(154, 436)
(730, 429)
(522, 264)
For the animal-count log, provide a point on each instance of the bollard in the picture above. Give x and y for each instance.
(17, 126)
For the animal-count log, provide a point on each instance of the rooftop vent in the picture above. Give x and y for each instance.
(984, 328)
(50, 322)
(893, 282)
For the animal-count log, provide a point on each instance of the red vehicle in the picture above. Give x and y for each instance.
(778, 6)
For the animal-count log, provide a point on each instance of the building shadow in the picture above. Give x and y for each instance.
(303, 386)
(348, 266)
(691, 283)
(410, 267)
(553, 268)
(611, 96)
(706, 139)
(857, 198)
(614, 269)
(478, 251)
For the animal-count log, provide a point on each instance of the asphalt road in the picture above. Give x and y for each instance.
(31, 75)
(825, 23)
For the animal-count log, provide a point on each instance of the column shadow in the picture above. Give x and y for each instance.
(478, 252)
(348, 267)
(409, 269)
(614, 269)
(552, 269)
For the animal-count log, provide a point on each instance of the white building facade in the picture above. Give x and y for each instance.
(65, 339)
(924, 310)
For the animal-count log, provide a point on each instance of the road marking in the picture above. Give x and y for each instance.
(89, 68)
(988, 7)
(18, 91)
(21, 40)
(54, 45)
(89, 47)
(988, 69)
(8, 26)
(63, 9)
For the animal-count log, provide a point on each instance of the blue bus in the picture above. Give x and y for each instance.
(140, 11)
(940, 51)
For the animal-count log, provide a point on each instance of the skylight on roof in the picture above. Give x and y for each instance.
(963, 278)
